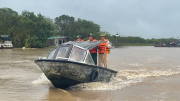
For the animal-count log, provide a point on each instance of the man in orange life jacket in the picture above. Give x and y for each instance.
(103, 51)
(93, 51)
(79, 38)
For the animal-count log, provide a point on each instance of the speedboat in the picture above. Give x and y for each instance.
(71, 63)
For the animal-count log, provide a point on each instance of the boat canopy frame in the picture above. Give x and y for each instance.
(74, 46)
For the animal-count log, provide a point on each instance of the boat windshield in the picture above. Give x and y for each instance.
(77, 54)
(62, 52)
(51, 54)
(89, 59)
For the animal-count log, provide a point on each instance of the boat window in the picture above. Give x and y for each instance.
(62, 52)
(51, 54)
(89, 60)
(78, 54)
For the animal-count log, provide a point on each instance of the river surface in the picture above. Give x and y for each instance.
(144, 74)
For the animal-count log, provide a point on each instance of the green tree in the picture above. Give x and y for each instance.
(84, 28)
(8, 21)
(36, 29)
(68, 26)
(64, 25)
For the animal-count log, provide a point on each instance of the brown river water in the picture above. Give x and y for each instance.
(144, 74)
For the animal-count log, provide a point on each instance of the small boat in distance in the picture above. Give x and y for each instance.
(71, 63)
(5, 42)
(168, 44)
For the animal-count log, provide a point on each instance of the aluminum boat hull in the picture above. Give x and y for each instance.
(64, 74)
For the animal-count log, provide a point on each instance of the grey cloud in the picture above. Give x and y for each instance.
(144, 18)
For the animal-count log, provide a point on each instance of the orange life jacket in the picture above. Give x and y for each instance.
(102, 47)
(93, 50)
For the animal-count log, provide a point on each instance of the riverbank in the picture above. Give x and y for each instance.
(50, 47)
(137, 44)
(115, 45)
(132, 44)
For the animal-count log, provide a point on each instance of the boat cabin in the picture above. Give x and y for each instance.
(74, 51)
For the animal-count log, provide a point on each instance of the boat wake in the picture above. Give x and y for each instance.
(124, 78)
(41, 80)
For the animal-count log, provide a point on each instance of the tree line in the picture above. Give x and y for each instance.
(130, 40)
(32, 31)
(27, 29)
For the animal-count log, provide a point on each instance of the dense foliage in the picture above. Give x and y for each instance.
(130, 40)
(32, 31)
(68, 26)
(27, 29)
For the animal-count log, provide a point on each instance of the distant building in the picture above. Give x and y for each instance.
(5, 42)
(56, 40)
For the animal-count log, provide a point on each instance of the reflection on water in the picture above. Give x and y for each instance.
(55, 94)
(144, 74)
(92, 95)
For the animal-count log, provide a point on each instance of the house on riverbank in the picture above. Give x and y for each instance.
(168, 44)
(56, 40)
(5, 42)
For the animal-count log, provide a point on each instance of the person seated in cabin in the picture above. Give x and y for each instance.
(62, 52)
(79, 38)
(78, 54)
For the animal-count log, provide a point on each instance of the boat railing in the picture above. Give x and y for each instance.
(68, 59)
(60, 58)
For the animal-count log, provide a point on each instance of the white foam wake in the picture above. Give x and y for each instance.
(113, 85)
(123, 79)
(142, 73)
(41, 80)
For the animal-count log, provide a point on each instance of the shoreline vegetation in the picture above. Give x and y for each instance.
(122, 45)
(32, 31)
(136, 44)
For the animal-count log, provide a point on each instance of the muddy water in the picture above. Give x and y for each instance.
(144, 74)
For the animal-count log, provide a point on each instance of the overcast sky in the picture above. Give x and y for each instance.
(144, 18)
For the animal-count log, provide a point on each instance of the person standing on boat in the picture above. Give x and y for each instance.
(79, 38)
(93, 51)
(104, 49)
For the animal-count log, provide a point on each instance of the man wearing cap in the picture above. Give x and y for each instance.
(79, 38)
(104, 49)
(93, 51)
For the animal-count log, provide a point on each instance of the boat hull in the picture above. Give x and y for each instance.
(63, 74)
